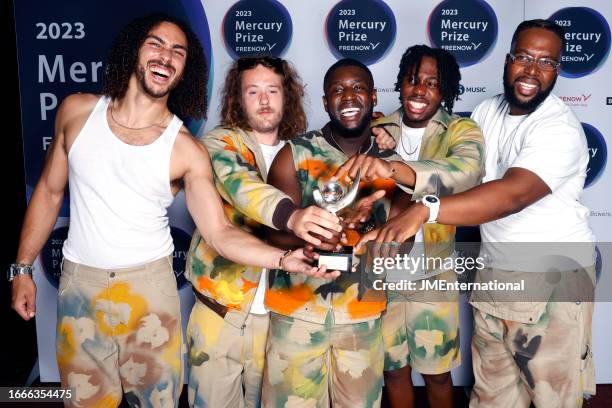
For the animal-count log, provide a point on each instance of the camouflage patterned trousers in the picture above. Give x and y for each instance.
(548, 362)
(315, 365)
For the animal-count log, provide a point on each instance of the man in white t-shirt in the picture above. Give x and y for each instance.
(536, 158)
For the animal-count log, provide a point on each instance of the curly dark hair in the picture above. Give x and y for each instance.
(294, 120)
(448, 71)
(188, 98)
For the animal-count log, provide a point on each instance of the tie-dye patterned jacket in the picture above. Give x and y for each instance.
(240, 174)
(451, 160)
(316, 159)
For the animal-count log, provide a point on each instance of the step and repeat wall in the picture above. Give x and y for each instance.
(62, 47)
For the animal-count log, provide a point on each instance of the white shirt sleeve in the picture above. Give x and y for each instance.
(554, 151)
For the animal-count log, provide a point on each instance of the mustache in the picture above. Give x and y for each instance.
(265, 110)
(530, 78)
(162, 64)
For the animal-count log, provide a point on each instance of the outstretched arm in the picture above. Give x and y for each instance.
(284, 177)
(241, 185)
(206, 209)
(461, 169)
(490, 201)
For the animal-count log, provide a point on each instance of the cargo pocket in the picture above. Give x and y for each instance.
(65, 280)
(587, 370)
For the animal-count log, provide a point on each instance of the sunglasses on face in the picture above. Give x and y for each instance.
(274, 63)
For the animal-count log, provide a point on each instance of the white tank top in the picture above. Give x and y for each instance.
(119, 195)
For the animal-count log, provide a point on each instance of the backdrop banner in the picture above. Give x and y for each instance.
(62, 46)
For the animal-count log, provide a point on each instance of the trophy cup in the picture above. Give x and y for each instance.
(334, 196)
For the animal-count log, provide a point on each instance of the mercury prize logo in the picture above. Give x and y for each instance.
(257, 27)
(466, 29)
(360, 29)
(587, 40)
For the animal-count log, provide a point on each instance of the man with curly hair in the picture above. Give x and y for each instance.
(262, 108)
(126, 155)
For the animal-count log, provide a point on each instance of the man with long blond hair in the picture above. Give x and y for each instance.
(227, 331)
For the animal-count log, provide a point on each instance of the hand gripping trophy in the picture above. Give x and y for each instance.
(335, 196)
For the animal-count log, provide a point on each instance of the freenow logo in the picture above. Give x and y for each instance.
(471, 89)
(257, 27)
(587, 37)
(363, 30)
(598, 154)
(581, 100)
(468, 30)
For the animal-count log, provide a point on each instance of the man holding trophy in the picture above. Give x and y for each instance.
(321, 327)
(442, 154)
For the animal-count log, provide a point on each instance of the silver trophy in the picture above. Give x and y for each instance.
(334, 197)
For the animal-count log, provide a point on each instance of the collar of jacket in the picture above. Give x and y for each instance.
(393, 124)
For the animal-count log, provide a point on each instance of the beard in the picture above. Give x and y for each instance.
(264, 125)
(529, 105)
(140, 74)
(356, 131)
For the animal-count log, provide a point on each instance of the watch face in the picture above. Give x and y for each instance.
(431, 199)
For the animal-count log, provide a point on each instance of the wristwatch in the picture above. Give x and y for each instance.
(433, 203)
(18, 269)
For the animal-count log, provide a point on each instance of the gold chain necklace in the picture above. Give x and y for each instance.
(131, 128)
(331, 134)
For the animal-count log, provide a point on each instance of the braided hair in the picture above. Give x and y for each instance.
(448, 71)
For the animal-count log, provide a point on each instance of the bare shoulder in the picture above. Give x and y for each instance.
(187, 145)
(71, 117)
(188, 155)
(73, 112)
(76, 105)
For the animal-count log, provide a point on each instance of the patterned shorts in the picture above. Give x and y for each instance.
(313, 365)
(225, 362)
(119, 332)
(422, 335)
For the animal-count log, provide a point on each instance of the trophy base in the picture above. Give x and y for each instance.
(337, 261)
